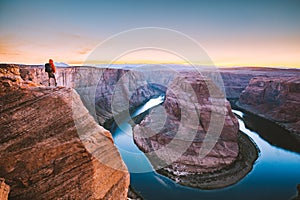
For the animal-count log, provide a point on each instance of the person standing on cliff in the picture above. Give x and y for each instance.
(51, 69)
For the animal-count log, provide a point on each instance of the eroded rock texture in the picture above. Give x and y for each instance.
(51, 148)
(237, 79)
(120, 91)
(277, 99)
(194, 117)
(105, 92)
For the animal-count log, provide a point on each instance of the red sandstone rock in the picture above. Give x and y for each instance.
(105, 92)
(277, 99)
(237, 79)
(42, 154)
(189, 109)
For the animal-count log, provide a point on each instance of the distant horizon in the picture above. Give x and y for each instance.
(179, 64)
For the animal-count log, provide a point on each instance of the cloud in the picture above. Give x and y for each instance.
(85, 50)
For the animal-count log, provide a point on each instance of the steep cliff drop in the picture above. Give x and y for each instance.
(99, 88)
(173, 136)
(42, 156)
(275, 99)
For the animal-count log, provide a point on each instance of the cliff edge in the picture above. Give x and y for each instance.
(276, 99)
(42, 155)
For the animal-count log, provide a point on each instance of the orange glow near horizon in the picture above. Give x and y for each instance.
(222, 62)
(222, 55)
(76, 49)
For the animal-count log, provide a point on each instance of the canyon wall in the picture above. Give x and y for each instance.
(105, 92)
(237, 79)
(120, 91)
(277, 99)
(51, 148)
(270, 93)
(235, 83)
(108, 92)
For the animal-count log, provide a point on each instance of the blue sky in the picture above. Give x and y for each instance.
(265, 33)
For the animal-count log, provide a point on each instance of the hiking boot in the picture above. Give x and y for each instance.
(55, 84)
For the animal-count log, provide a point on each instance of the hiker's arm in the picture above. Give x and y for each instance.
(53, 68)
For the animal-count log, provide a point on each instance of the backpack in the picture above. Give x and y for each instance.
(48, 68)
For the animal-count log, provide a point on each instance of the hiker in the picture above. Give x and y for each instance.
(50, 69)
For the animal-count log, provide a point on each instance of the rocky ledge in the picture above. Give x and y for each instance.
(43, 156)
(275, 99)
(195, 118)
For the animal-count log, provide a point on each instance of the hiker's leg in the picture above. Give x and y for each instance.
(55, 80)
(49, 81)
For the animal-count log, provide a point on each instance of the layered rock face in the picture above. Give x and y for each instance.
(51, 148)
(105, 92)
(277, 99)
(10, 79)
(193, 133)
(120, 91)
(237, 79)
(235, 83)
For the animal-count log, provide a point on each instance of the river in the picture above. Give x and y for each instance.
(275, 173)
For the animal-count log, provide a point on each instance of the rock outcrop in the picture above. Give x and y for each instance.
(10, 79)
(195, 117)
(51, 148)
(276, 99)
(4, 189)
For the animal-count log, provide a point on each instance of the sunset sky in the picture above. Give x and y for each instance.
(233, 33)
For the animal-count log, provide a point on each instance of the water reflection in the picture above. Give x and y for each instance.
(135, 159)
(150, 104)
(272, 133)
(274, 176)
(276, 170)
